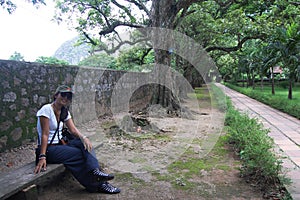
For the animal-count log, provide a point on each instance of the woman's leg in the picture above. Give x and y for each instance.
(81, 163)
(91, 161)
(89, 157)
(74, 160)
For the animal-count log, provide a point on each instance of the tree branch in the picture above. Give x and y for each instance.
(89, 38)
(114, 49)
(224, 6)
(145, 54)
(183, 14)
(295, 3)
(122, 8)
(237, 47)
(111, 27)
(184, 4)
(89, 5)
(140, 5)
(227, 4)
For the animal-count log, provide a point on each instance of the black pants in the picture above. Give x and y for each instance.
(76, 159)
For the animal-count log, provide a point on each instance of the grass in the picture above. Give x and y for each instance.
(182, 170)
(203, 96)
(210, 96)
(278, 101)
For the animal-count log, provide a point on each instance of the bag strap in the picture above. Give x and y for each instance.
(55, 133)
(39, 140)
(62, 117)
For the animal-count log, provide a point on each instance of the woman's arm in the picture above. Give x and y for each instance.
(44, 121)
(72, 128)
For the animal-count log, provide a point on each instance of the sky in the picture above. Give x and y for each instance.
(30, 31)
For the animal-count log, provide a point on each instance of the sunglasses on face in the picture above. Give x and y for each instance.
(66, 94)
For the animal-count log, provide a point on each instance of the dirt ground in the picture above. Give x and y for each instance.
(176, 157)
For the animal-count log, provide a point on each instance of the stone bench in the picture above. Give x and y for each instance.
(23, 184)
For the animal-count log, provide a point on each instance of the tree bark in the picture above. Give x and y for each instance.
(261, 83)
(290, 95)
(163, 13)
(253, 79)
(193, 76)
(273, 84)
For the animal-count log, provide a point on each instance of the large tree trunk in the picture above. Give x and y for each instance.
(193, 76)
(163, 17)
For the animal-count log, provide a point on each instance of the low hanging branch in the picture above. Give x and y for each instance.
(140, 5)
(237, 47)
(119, 44)
(115, 24)
(295, 3)
(145, 54)
(90, 40)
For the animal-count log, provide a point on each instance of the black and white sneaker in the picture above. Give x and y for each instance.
(101, 176)
(107, 188)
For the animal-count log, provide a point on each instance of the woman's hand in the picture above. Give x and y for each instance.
(87, 143)
(41, 166)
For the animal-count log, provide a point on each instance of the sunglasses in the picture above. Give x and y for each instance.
(66, 94)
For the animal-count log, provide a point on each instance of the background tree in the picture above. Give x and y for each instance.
(227, 66)
(232, 24)
(101, 60)
(270, 60)
(136, 59)
(51, 61)
(16, 56)
(286, 44)
(10, 5)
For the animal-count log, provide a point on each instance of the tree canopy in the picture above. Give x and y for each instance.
(226, 29)
(51, 60)
(243, 37)
(101, 60)
(10, 5)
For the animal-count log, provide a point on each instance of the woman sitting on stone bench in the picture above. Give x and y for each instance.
(77, 155)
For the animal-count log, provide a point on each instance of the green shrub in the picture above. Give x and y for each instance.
(254, 146)
(284, 84)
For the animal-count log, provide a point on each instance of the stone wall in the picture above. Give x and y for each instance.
(25, 87)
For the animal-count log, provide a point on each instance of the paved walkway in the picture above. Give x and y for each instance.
(284, 129)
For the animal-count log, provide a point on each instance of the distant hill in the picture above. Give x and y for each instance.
(72, 53)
